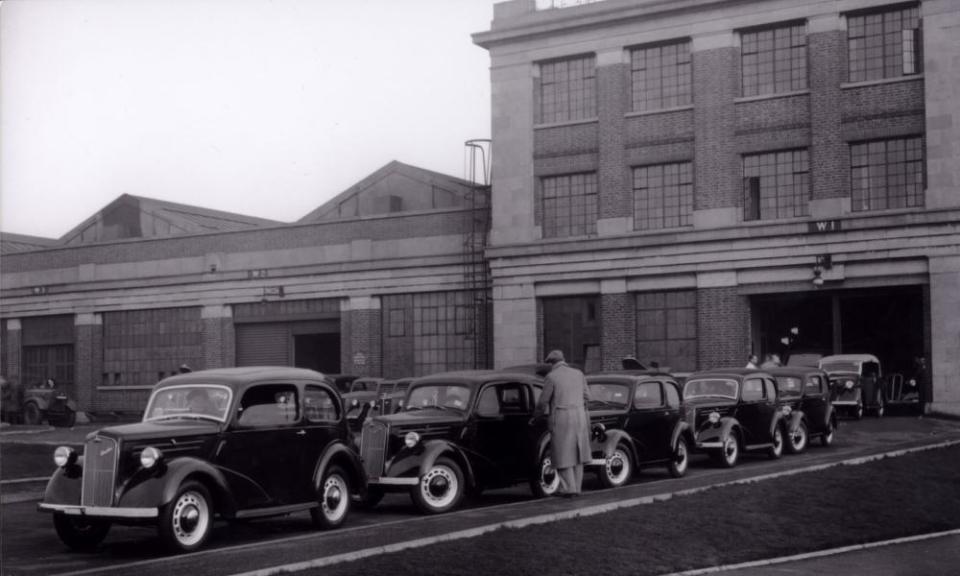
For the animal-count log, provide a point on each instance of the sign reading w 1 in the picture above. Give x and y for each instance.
(824, 226)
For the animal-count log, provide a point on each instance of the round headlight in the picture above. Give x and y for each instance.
(787, 410)
(63, 455)
(848, 384)
(714, 417)
(149, 457)
(411, 439)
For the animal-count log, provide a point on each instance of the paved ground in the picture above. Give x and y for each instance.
(30, 547)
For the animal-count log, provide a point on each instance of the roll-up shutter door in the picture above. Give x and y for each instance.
(265, 344)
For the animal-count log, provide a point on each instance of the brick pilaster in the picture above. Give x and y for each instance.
(219, 344)
(88, 359)
(723, 327)
(612, 74)
(618, 337)
(716, 74)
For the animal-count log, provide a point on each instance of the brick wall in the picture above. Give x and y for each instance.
(619, 328)
(14, 343)
(88, 364)
(219, 343)
(723, 327)
(717, 171)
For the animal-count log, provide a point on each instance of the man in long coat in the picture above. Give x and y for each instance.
(564, 398)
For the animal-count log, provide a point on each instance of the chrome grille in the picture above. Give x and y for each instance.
(99, 471)
(373, 447)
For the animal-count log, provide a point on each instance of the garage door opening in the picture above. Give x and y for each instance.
(319, 352)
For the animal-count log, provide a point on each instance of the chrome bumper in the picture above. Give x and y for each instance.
(99, 511)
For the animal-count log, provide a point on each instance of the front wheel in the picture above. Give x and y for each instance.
(617, 469)
(185, 521)
(681, 459)
(798, 440)
(776, 450)
(80, 534)
(729, 452)
(440, 489)
(858, 411)
(546, 481)
(333, 500)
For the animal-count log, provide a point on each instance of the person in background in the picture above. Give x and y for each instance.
(752, 361)
(563, 401)
(772, 361)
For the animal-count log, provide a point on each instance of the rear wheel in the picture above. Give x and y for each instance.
(185, 521)
(730, 451)
(681, 459)
(334, 500)
(82, 534)
(440, 489)
(31, 414)
(797, 441)
(618, 468)
(776, 450)
(546, 481)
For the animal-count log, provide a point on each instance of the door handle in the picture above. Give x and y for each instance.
(302, 433)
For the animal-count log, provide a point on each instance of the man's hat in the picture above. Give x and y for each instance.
(553, 357)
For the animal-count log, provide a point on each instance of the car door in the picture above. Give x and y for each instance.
(752, 412)
(322, 426)
(502, 436)
(649, 421)
(814, 404)
(260, 453)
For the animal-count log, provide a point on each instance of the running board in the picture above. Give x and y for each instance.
(276, 510)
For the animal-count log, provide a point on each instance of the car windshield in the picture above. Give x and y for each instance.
(439, 396)
(840, 366)
(608, 395)
(710, 387)
(789, 385)
(208, 402)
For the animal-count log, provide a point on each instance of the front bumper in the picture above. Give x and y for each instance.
(98, 511)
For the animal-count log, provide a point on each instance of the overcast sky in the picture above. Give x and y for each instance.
(262, 107)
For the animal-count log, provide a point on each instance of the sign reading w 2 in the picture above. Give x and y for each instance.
(824, 226)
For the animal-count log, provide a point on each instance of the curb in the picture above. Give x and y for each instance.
(575, 513)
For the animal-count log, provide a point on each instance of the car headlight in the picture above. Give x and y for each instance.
(599, 431)
(848, 384)
(714, 417)
(787, 410)
(411, 439)
(149, 457)
(64, 455)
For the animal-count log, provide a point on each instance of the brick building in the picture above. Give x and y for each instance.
(688, 181)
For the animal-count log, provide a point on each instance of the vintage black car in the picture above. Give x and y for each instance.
(360, 400)
(637, 421)
(458, 433)
(237, 443)
(856, 383)
(733, 410)
(804, 398)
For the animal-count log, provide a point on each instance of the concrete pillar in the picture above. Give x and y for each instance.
(360, 336)
(14, 346)
(617, 313)
(945, 334)
(514, 325)
(219, 337)
(941, 75)
(88, 359)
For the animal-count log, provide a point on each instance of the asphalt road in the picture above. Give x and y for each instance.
(30, 546)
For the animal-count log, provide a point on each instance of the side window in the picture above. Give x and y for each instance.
(813, 385)
(513, 399)
(752, 390)
(771, 390)
(673, 396)
(269, 405)
(319, 405)
(537, 391)
(647, 395)
(489, 404)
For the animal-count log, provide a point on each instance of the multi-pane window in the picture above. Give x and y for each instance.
(568, 90)
(887, 174)
(569, 205)
(884, 44)
(140, 345)
(774, 60)
(662, 196)
(660, 76)
(776, 185)
(667, 329)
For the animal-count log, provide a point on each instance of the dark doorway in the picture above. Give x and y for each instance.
(572, 324)
(320, 352)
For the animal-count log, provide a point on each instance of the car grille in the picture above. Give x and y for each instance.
(99, 471)
(373, 447)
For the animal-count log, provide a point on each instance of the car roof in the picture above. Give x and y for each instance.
(793, 370)
(627, 375)
(850, 358)
(475, 377)
(241, 375)
(729, 372)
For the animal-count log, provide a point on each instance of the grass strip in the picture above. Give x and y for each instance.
(841, 506)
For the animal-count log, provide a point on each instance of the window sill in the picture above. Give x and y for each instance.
(593, 120)
(658, 111)
(771, 96)
(896, 80)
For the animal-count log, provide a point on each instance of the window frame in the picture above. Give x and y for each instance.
(794, 194)
(889, 52)
(862, 197)
(648, 79)
(775, 61)
(581, 192)
(562, 96)
(682, 190)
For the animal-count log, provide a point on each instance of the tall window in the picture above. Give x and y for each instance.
(776, 185)
(774, 60)
(886, 174)
(569, 205)
(660, 76)
(667, 329)
(568, 90)
(884, 44)
(662, 196)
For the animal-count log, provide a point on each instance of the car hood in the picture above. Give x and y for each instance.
(160, 429)
(421, 418)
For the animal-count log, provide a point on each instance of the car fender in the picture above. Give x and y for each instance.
(148, 488)
(795, 419)
(681, 429)
(348, 458)
(726, 426)
(65, 485)
(777, 420)
(434, 449)
(830, 416)
(616, 437)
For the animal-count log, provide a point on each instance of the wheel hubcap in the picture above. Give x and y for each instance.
(439, 486)
(681, 457)
(548, 476)
(190, 518)
(617, 467)
(334, 503)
